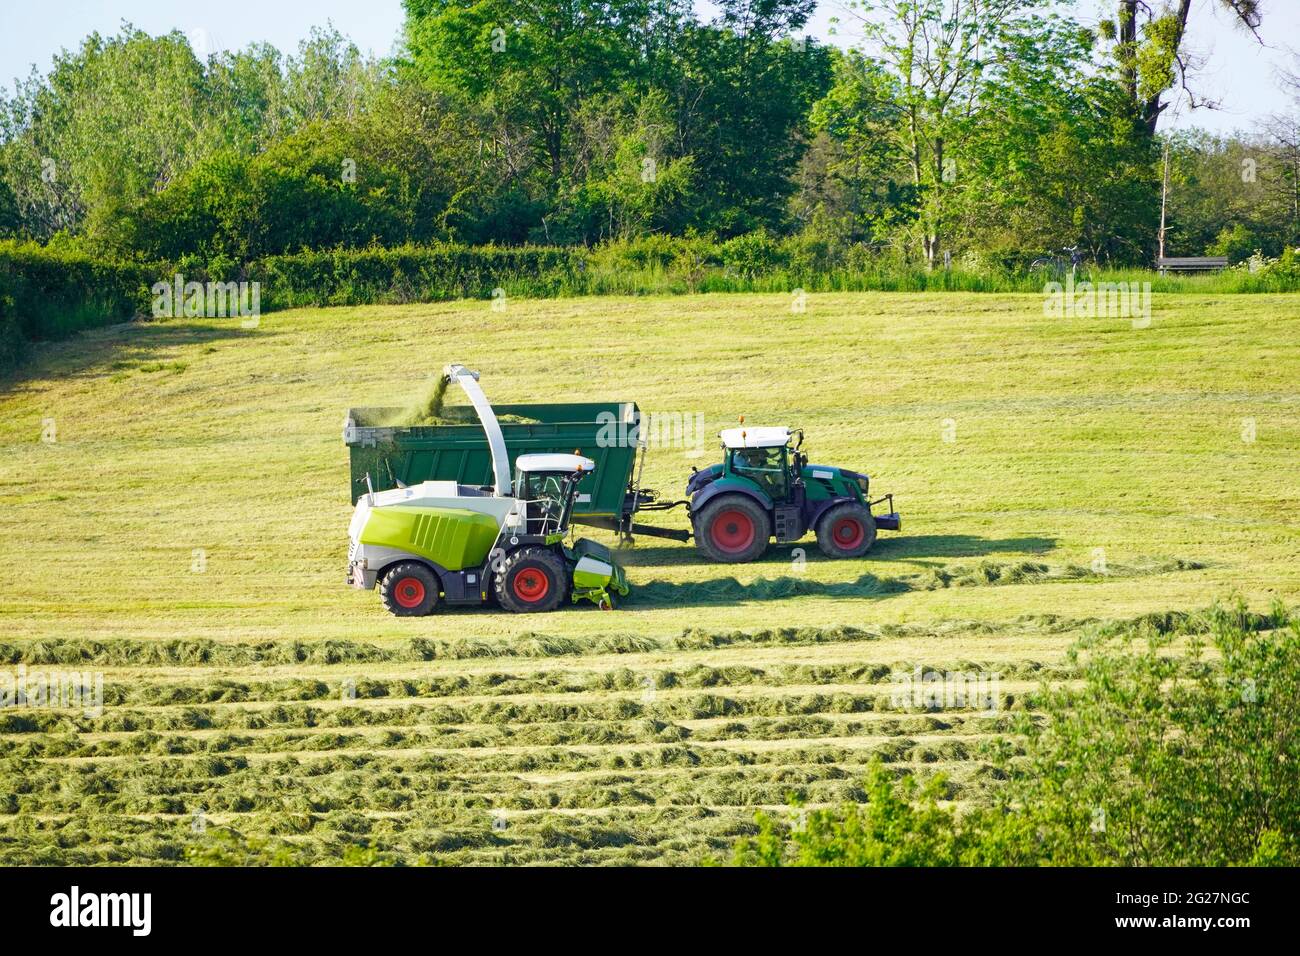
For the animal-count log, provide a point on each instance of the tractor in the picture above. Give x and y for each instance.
(441, 541)
(765, 488)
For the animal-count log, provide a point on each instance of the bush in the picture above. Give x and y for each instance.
(11, 338)
(52, 293)
(753, 254)
(1165, 756)
(1237, 243)
(414, 274)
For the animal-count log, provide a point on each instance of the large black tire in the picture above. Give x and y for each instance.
(532, 579)
(846, 531)
(409, 589)
(732, 529)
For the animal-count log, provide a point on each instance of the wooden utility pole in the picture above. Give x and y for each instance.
(1164, 203)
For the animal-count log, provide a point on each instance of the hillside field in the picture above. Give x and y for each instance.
(174, 507)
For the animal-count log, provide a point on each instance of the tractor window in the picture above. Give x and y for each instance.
(764, 466)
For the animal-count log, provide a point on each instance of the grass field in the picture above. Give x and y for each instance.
(185, 533)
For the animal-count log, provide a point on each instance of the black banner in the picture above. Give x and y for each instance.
(938, 907)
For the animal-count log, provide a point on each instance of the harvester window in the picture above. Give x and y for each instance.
(546, 495)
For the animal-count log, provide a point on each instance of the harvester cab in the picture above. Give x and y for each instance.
(462, 544)
(765, 488)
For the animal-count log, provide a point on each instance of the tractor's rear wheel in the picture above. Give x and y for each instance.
(532, 579)
(733, 528)
(846, 531)
(409, 589)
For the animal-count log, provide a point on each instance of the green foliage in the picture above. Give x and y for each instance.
(1284, 270)
(123, 118)
(388, 174)
(1047, 166)
(12, 344)
(1174, 751)
(49, 294)
(1236, 242)
(412, 274)
(577, 124)
(226, 847)
(898, 824)
(753, 254)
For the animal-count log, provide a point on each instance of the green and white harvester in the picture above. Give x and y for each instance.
(504, 543)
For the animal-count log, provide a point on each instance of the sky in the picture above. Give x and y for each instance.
(1238, 71)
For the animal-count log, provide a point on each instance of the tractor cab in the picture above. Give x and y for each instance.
(546, 486)
(763, 456)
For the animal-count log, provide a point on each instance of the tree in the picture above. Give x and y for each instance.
(853, 182)
(626, 182)
(1048, 160)
(394, 172)
(942, 54)
(1150, 52)
(531, 64)
(122, 118)
(742, 92)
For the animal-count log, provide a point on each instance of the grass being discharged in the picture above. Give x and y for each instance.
(182, 531)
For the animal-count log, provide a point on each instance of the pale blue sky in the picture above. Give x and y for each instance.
(1237, 70)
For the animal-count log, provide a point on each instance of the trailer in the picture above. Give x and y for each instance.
(384, 457)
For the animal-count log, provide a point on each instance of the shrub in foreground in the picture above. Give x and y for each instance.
(1180, 748)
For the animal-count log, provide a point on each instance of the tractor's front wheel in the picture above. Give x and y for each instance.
(733, 528)
(532, 579)
(846, 531)
(409, 589)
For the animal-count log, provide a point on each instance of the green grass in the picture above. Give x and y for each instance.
(186, 535)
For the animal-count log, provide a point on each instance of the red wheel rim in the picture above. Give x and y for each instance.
(409, 592)
(732, 531)
(848, 533)
(531, 584)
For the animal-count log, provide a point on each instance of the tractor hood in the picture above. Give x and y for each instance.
(837, 478)
(830, 471)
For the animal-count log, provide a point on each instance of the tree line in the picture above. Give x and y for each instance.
(988, 131)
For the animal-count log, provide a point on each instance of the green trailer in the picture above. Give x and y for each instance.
(393, 457)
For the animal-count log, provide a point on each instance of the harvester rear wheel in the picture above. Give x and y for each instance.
(733, 528)
(846, 531)
(409, 589)
(532, 579)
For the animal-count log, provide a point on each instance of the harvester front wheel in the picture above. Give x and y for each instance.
(532, 579)
(409, 589)
(733, 528)
(846, 531)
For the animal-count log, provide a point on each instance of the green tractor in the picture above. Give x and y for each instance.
(441, 541)
(765, 489)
